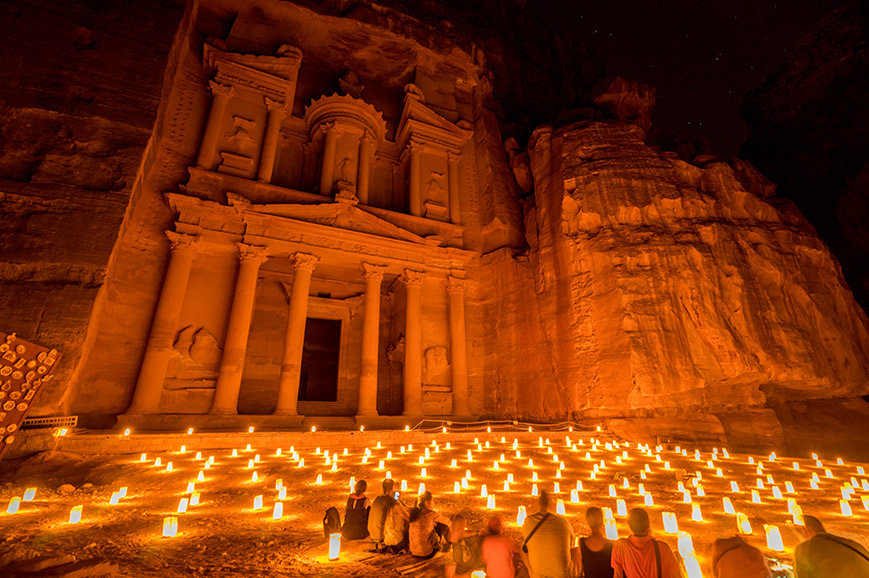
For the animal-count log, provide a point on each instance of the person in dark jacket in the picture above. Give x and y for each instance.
(379, 510)
(356, 514)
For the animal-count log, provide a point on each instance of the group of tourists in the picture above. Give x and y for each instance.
(548, 549)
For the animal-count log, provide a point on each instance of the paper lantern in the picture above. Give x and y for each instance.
(773, 538)
(169, 467)
(75, 514)
(483, 491)
(182, 505)
(191, 486)
(319, 479)
(696, 515)
(258, 503)
(170, 527)
(647, 499)
(728, 506)
(534, 491)
(157, 463)
(457, 488)
(845, 506)
(612, 489)
(490, 504)
(278, 512)
(282, 493)
(421, 490)
(797, 514)
(144, 458)
(578, 486)
(621, 508)
(520, 516)
(742, 524)
(612, 532)
(755, 497)
(194, 499)
(114, 499)
(464, 483)
(789, 488)
(671, 526)
(14, 503)
(334, 546)
(559, 507)
(255, 478)
(556, 488)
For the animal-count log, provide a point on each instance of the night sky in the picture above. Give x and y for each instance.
(701, 56)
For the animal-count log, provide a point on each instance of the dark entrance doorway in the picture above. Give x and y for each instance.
(319, 379)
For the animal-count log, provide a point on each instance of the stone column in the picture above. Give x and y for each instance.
(270, 140)
(237, 331)
(415, 180)
(208, 149)
(370, 340)
(363, 175)
(149, 386)
(413, 344)
(291, 364)
(458, 347)
(327, 173)
(453, 166)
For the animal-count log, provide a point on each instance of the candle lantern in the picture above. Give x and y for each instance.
(278, 511)
(773, 538)
(170, 527)
(182, 505)
(520, 516)
(728, 506)
(742, 524)
(14, 503)
(75, 514)
(491, 502)
(621, 508)
(258, 503)
(29, 494)
(559, 507)
(671, 526)
(648, 499)
(194, 499)
(334, 546)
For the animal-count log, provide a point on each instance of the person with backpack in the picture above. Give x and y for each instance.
(429, 530)
(548, 539)
(395, 527)
(640, 555)
(735, 558)
(465, 549)
(356, 514)
(824, 555)
(379, 510)
(596, 551)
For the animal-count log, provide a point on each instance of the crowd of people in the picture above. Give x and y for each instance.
(550, 549)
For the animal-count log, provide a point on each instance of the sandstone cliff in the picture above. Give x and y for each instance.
(668, 290)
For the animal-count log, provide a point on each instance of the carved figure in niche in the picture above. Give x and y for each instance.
(345, 170)
(240, 138)
(433, 186)
(436, 366)
(349, 84)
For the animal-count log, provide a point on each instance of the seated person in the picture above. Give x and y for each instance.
(498, 551)
(596, 551)
(395, 527)
(356, 514)
(465, 549)
(379, 510)
(736, 558)
(429, 530)
(824, 555)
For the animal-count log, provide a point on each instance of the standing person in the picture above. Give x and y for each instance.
(548, 538)
(824, 555)
(379, 510)
(640, 555)
(356, 514)
(498, 550)
(429, 530)
(465, 549)
(596, 551)
(736, 558)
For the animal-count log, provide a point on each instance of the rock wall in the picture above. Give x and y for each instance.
(669, 290)
(79, 90)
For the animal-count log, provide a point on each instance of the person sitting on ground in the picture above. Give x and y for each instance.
(640, 555)
(497, 552)
(824, 555)
(356, 514)
(548, 539)
(596, 551)
(429, 530)
(395, 538)
(736, 558)
(379, 510)
(465, 549)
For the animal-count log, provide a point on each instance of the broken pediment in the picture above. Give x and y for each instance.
(420, 124)
(340, 215)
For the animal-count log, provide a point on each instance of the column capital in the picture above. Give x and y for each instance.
(327, 127)
(275, 105)
(415, 147)
(252, 253)
(181, 242)
(373, 271)
(218, 89)
(453, 158)
(304, 261)
(413, 278)
(455, 285)
(367, 138)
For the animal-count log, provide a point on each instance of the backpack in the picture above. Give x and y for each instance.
(331, 522)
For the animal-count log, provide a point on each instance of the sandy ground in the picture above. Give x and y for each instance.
(225, 536)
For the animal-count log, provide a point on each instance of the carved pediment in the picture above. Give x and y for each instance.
(422, 125)
(340, 215)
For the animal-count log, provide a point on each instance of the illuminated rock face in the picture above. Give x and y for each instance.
(356, 184)
(665, 289)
